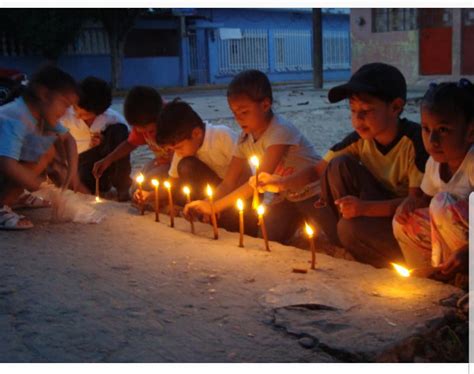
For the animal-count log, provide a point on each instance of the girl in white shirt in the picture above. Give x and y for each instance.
(433, 229)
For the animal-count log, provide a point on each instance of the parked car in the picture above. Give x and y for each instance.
(11, 81)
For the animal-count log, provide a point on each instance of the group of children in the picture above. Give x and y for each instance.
(391, 191)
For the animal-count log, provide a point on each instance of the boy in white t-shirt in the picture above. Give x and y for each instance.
(98, 130)
(433, 230)
(202, 154)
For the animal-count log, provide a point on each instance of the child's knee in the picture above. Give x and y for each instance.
(398, 228)
(340, 168)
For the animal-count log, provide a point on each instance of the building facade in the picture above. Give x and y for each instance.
(205, 46)
(425, 44)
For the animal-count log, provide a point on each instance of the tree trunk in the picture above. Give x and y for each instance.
(317, 48)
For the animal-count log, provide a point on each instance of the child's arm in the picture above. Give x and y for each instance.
(124, 149)
(72, 159)
(351, 206)
(275, 183)
(19, 174)
(270, 161)
(236, 168)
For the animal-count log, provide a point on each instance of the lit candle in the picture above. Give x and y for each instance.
(156, 184)
(187, 192)
(97, 193)
(404, 272)
(261, 222)
(170, 201)
(213, 212)
(310, 233)
(255, 162)
(140, 179)
(240, 208)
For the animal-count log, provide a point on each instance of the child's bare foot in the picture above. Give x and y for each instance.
(9, 220)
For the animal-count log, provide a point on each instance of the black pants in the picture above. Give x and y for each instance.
(118, 174)
(368, 239)
(197, 175)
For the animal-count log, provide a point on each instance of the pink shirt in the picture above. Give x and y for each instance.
(163, 155)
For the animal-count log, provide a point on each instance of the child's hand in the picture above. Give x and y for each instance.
(405, 210)
(141, 197)
(267, 182)
(198, 206)
(100, 167)
(350, 206)
(458, 262)
(96, 139)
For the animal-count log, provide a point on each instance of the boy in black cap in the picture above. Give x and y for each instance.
(368, 174)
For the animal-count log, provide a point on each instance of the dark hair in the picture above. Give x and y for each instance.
(51, 77)
(177, 122)
(142, 106)
(95, 95)
(449, 98)
(251, 83)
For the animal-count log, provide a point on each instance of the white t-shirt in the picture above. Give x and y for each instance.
(299, 156)
(461, 183)
(216, 150)
(82, 133)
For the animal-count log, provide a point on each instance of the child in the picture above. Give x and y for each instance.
(279, 145)
(98, 130)
(432, 229)
(142, 108)
(202, 155)
(368, 174)
(202, 152)
(29, 130)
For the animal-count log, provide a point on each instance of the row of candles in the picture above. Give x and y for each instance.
(260, 209)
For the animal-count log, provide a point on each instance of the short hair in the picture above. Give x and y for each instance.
(53, 78)
(251, 83)
(450, 98)
(142, 106)
(177, 122)
(95, 95)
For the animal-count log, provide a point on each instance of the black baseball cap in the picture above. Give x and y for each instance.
(378, 79)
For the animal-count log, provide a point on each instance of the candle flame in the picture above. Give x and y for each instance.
(209, 191)
(260, 210)
(186, 190)
(167, 184)
(309, 230)
(97, 199)
(255, 161)
(140, 178)
(240, 204)
(404, 272)
(155, 182)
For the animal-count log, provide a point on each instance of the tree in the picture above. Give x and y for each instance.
(317, 48)
(117, 24)
(44, 31)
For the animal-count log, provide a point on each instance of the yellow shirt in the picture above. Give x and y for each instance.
(398, 166)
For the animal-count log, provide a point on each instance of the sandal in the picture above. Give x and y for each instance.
(9, 220)
(29, 201)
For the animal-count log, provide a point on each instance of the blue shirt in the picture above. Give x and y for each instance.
(21, 137)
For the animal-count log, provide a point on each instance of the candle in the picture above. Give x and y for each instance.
(97, 193)
(213, 212)
(140, 179)
(156, 184)
(310, 233)
(255, 162)
(261, 222)
(240, 208)
(170, 201)
(187, 192)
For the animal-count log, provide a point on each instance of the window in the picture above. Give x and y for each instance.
(394, 19)
(435, 17)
